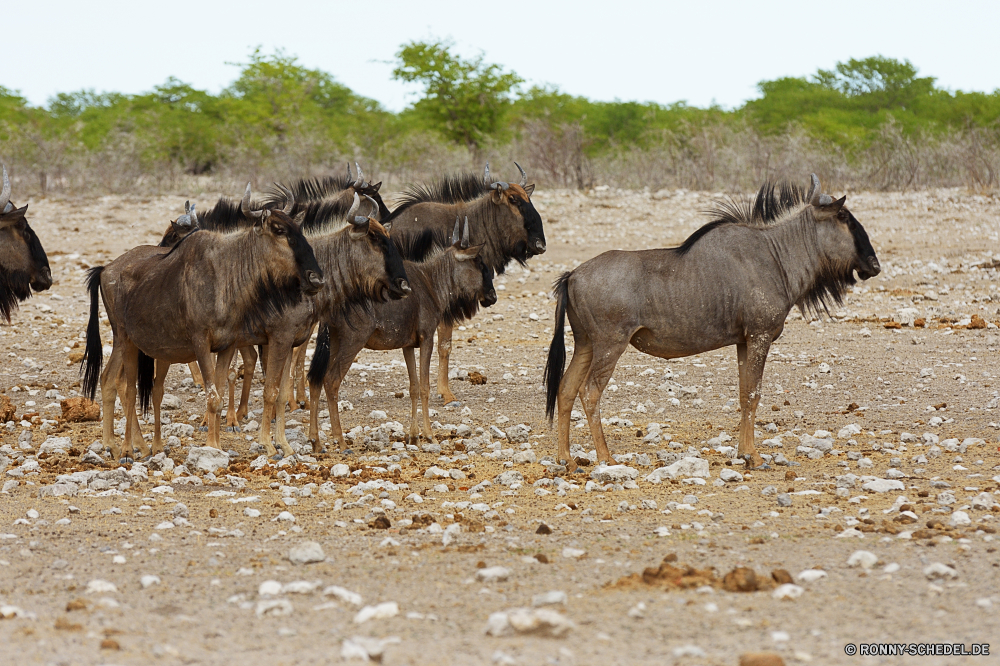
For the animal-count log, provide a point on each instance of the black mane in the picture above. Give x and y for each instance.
(320, 215)
(309, 189)
(771, 203)
(224, 217)
(15, 286)
(450, 189)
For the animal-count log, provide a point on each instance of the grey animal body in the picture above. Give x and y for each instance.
(501, 218)
(446, 282)
(732, 282)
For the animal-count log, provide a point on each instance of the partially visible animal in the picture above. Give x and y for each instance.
(732, 282)
(501, 218)
(448, 281)
(200, 297)
(23, 264)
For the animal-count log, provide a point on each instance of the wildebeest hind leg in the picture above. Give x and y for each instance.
(130, 359)
(602, 366)
(249, 355)
(751, 356)
(112, 377)
(568, 390)
(160, 377)
(284, 394)
(426, 350)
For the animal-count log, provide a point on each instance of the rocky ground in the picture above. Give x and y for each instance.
(876, 525)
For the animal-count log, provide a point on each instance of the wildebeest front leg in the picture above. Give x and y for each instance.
(444, 353)
(569, 387)
(751, 356)
(411, 370)
(272, 380)
(196, 373)
(426, 350)
(213, 374)
(284, 394)
(249, 355)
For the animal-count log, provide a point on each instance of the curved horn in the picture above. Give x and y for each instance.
(524, 176)
(487, 180)
(825, 200)
(455, 238)
(374, 211)
(465, 234)
(354, 207)
(361, 176)
(500, 185)
(245, 207)
(187, 207)
(5, 194)
(814, 191)
(289, 198)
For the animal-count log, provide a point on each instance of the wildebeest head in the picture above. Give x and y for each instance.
(23, 264)
(291, 251)
(517, 197)
(472, 279)
(373, 245)
(841, 237)
(180, 227)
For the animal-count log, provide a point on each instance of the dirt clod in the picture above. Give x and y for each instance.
(80, 410)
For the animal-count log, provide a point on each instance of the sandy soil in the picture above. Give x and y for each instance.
(867, 365)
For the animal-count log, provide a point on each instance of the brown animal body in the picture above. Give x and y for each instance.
(732, 282)
(445, 283)
(23, 264)
(501, 218)
(199, 298)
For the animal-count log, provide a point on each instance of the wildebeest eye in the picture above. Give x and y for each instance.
(278, 231)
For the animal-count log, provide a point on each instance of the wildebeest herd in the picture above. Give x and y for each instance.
(328, 254)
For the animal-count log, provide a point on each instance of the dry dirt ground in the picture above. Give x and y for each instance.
(116, 572)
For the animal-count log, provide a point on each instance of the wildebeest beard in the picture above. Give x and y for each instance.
(15, 286)
(269, 299)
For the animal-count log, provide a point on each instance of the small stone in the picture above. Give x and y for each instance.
(761, 659)
(730, 475)
(251, 513)
(784, 499)
(787, 591)
(273, 608)
(959, 519)
(306, 553)
(573, 553)
(98, 586)
(493, 574)
(377, 612)
(939, 571)
(549, 599)
(883, 485)
(206, 459)
(149, 581)
(811, 575)
(862, 558)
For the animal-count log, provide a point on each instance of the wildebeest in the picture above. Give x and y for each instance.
(733, 281)
(23, 264)
(445, 283)
(200, 297)
(502, 219)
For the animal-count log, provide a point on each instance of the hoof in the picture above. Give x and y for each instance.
(202, 428)
(301, 405)
(125, 460)
(579, 470)
(234, 428)
(347, 452)
(276, 457)
(147, 458)
(319, 451)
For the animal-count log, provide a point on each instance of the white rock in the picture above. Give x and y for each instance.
(549, 599)
(378, 415)
(149, 581)
(98, 586)
(284, 516)
(890, 568)
(959, 519)
(269, 588)
(306, 553)
(251, 513)
(274, 608)
(787, 591)
(811, 575)
(730, 475)
(542, 621)
(685, 467)
(493, 574)
(365, 648)
(300, 587)
(343, 594)
(862, 558)
(170, 402)
(206, 459)
(377, 612)
(884, 485)
(573, 553)
(939, 571)
(614, 473)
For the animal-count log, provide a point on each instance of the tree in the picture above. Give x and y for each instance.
(466, 100)
(878, 82)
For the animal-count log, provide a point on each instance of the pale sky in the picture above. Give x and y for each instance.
(626, 49)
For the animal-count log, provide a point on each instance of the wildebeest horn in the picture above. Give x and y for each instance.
(361, 176)
(194, 215)
(455, 238)
(487, 180)
(500, 185)
(374, 211)
(5, 194)
(524, 176)
(245, 207)
(816, 196)
(350, 177)
(354, 208)
(465, 234)
(289, 199)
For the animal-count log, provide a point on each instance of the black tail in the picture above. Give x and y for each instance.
(93, 352)
(321, 358)
(145, 381)
(556, 364)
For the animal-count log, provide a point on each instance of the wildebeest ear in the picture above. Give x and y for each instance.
(377, 186)
(529, 188)
(13, 217)
(468, 253)
(299, 218)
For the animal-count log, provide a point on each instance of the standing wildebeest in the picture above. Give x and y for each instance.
(502, 219)
(449, 281)
(733, 281)
(197, 299)
(23, 264)
(361, 266)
